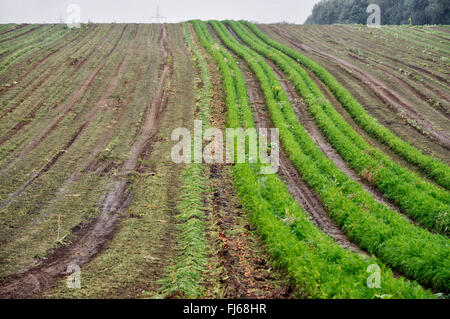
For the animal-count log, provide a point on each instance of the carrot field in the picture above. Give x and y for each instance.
(357, 208)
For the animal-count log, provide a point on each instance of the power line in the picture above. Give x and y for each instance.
(157, 17)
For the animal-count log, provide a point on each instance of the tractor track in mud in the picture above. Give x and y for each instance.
(67, 107)
(385, 94)
(91, 239)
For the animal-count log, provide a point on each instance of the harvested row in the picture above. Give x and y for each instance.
(89, 117)
(96, 232)
(410, 35)
(381, 231)
(60, 180)
(29, 48)
(21, 32)
(42, 90)
(142, 245)
(275, 212)
(6, 28)
(22, 68)
(437, 170)
(65, 108)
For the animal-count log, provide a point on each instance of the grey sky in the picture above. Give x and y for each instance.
(49, 11)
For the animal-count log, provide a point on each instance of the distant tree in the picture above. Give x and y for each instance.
(392, 11)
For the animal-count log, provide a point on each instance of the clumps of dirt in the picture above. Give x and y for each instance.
(74, 61)
(246, 272)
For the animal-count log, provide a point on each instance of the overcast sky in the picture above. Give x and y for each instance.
(49, 11)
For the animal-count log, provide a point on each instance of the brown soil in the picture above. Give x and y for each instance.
(89, 240)
(387, 95)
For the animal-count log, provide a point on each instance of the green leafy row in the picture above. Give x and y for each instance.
(423, 201)
(373, 226)
(314, 262)
(436, 170)
(187, 274)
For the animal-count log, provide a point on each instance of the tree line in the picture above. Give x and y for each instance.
(416, 12)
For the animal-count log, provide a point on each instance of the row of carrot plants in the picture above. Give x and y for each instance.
(314, 262)
(423, 201)
(436, 169)
(374, 227)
